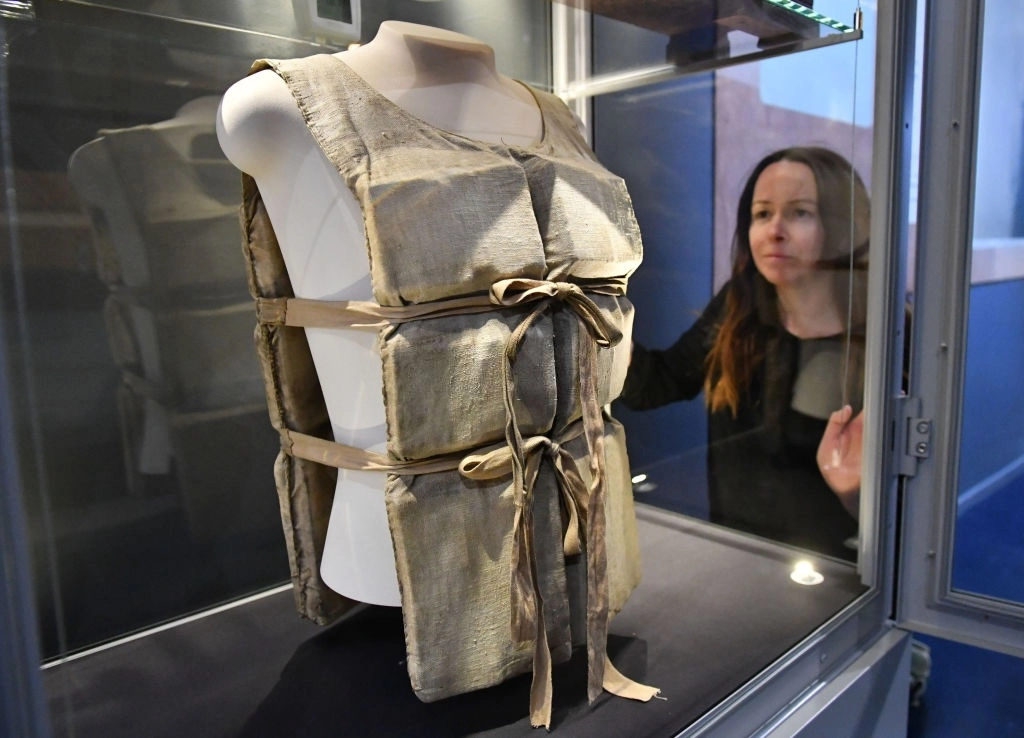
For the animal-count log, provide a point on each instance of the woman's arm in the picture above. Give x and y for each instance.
(658, 377)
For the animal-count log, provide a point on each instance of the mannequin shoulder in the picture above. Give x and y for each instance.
(253, 117)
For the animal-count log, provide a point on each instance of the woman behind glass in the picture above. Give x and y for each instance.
(778, 353)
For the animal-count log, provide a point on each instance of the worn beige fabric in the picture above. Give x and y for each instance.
(611, 364)
(458, 354)
(499, 275)
(621, 537)
(454, 544)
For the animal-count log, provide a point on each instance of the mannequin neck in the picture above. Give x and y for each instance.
(404, 56)
(448, 80)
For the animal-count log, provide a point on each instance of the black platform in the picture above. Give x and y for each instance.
(713, 610)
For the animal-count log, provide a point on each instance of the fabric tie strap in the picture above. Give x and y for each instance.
(520, 291)
(342, 456)
(527, 607)
(302, 312)
(603, 333)
(497, 462)
(519, 456)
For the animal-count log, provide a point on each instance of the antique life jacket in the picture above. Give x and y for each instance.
(498, 276)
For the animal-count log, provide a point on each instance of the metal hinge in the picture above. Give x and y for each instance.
(913, 435)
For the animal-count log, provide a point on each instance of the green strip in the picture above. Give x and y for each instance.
(806, 12)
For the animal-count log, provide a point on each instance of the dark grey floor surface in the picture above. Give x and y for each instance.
(709, 614)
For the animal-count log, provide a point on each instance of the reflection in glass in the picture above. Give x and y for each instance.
(140, 417)
(988, 557)
(142, 430)
(708, 34)
(778, 353)
(275, 18)
(163, 203)
(686, 149)
(150, 483)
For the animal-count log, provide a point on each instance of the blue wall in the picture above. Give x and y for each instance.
(993, 429)
(661, 141)
(987, 557)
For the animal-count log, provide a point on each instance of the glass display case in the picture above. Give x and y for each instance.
(961, 552)
(142, 536)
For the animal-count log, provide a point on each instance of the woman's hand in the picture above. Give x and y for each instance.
(839, 456)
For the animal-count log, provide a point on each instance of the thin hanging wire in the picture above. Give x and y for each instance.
(848, 337)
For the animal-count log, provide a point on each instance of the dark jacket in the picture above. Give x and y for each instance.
(763, 476)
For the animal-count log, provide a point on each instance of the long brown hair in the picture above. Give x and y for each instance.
(843, 206)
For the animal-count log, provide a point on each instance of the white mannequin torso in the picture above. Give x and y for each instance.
(449, 81)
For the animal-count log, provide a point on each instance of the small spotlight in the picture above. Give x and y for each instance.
(641, 484)
(805, 573)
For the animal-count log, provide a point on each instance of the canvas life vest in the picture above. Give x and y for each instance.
(499, 276)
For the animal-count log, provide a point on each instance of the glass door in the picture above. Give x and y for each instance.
(686, 138)
(962, 573)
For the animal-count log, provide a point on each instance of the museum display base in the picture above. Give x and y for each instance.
(713, 609)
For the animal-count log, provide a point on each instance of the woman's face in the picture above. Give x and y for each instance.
(786, 234)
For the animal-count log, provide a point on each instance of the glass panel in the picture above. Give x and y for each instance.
(145, 451)
(988, 555)
(686, 149)
(520, 39)
(683, 38)
(698, 156)
(137, 400)
(143, 440)
(273, 18)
